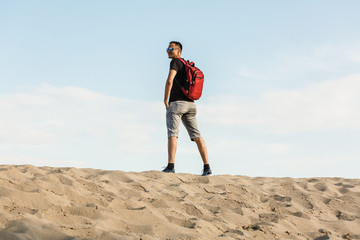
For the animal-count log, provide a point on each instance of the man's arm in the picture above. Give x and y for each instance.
(168, 86)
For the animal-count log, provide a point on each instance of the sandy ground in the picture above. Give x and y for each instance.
(70, 203)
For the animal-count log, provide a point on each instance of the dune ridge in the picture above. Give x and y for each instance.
(70, 203)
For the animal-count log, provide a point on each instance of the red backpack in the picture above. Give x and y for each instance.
(194, 82)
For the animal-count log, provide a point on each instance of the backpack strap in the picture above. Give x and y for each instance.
(183, 61)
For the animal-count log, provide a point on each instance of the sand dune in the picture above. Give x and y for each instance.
(70, 203)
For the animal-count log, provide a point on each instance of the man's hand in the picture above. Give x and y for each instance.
(166, 104)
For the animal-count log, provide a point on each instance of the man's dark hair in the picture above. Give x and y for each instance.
(177, 44)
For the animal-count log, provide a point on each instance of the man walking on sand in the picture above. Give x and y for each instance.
(180, 108)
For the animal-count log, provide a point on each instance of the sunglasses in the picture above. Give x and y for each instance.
(170, 49)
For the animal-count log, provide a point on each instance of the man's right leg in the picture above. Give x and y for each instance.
(173, 118)
(172, 144)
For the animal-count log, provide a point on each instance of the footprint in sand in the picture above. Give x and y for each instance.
(272, 217)
(325, 237)
(192, 210)
(65, 181)
(299, 214)
(321, 186)
(181, 222)
(232, 233)
(279, 201)
(264, 198)
(281, 198)
(159, 203)
(327, 201)
(344, 190)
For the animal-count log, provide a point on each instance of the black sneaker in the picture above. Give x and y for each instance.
(167, 170)
(206, 172)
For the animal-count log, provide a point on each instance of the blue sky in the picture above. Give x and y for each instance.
(82, 84)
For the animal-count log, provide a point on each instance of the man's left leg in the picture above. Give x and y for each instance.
(204, 156)
(202, 149)
(190, 123)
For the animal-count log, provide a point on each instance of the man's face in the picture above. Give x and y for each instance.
(175, 53)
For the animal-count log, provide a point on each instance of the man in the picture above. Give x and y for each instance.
(180, 107)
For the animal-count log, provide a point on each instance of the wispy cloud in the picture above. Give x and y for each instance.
(332, 104)
(290, 66)
(67, 118)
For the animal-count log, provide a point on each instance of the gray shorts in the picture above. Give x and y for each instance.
(186, 112)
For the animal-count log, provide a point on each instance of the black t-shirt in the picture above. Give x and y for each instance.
(176, 94)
